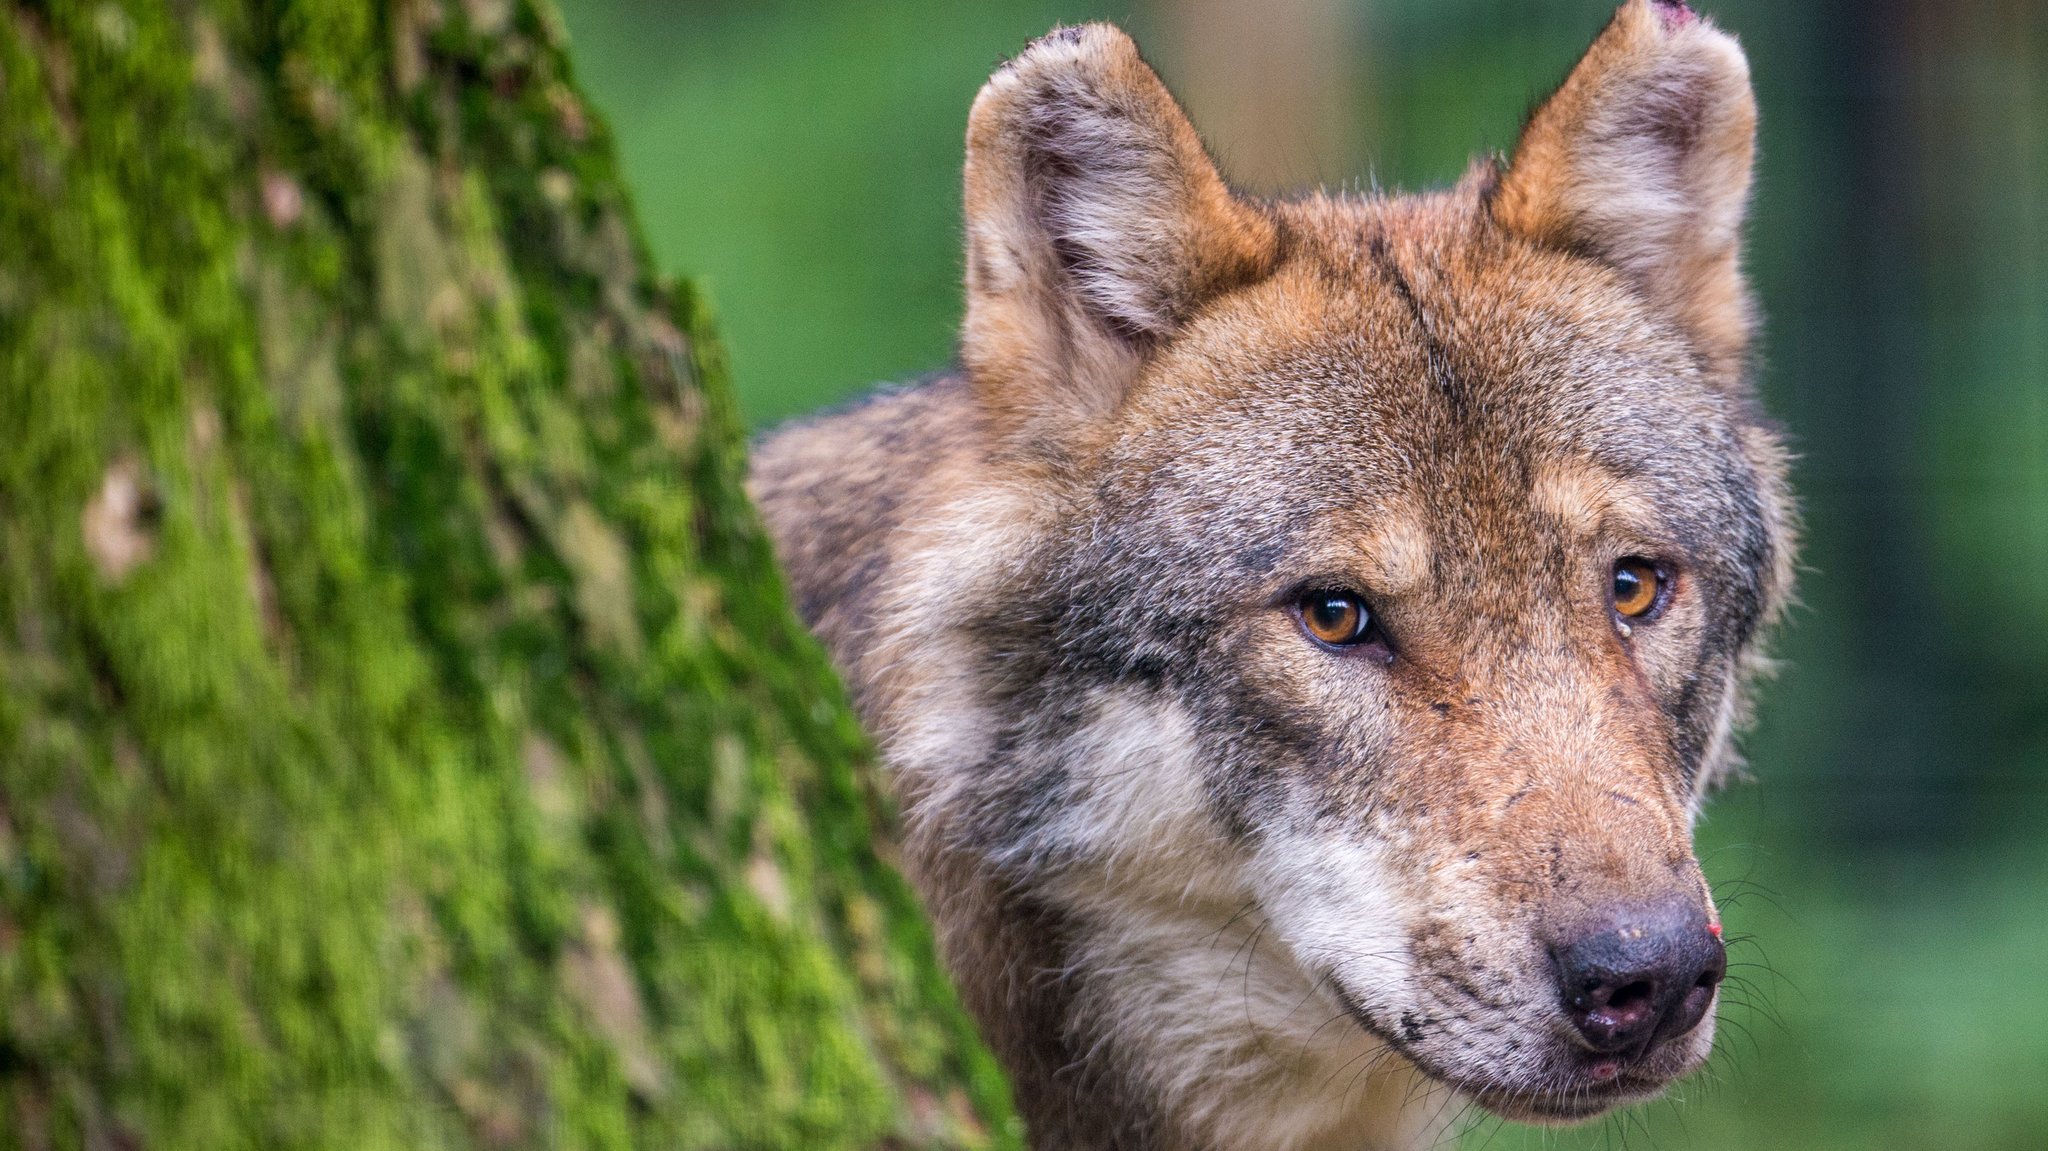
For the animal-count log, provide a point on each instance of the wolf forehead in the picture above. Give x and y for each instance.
(1413, 377)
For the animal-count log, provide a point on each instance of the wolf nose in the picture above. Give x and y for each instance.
(1640, 978)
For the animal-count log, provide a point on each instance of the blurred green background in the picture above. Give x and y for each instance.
(1887, 869)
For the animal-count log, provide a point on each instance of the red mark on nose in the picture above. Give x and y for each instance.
(1714, 929)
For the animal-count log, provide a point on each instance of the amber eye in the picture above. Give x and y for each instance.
(1337, 618)
(1638, 585)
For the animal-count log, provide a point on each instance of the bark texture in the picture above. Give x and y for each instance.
(404, 741)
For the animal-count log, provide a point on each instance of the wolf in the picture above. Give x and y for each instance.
(1300, 633)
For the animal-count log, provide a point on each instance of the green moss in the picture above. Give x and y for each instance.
(404, 740)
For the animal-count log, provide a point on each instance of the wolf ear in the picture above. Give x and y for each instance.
(1642, 159)
(1096, 226)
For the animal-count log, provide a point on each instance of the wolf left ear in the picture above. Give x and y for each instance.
(1642, 159)
(1096, 226)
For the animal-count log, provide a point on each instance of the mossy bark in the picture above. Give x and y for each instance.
(404, 741)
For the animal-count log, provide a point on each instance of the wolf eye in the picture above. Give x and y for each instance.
(1638, 587)
(1337, 618)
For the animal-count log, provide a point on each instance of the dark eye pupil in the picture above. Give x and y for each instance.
(1637, 586)
(1332, 614)
(1336, 618)
(1628, 583)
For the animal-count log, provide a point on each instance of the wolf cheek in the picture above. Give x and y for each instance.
(1300, 633)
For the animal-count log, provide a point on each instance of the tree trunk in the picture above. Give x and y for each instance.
(403, 738)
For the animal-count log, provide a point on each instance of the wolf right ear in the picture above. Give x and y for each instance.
(1096, 226)
(1642, 159)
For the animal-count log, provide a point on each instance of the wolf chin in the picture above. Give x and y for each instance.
(1300, 633)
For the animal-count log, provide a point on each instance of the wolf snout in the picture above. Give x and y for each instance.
(1639, 977)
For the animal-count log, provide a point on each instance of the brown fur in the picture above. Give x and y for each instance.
(1059, 582)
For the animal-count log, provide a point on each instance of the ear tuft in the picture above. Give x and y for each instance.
(1096, 223)
(1642, 159)
(1675, 13)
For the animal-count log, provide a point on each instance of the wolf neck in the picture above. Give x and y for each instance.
(1099, 923)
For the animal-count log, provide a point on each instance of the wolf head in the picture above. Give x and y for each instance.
(1345, 605)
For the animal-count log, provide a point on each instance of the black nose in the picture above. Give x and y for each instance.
(1640, 977)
